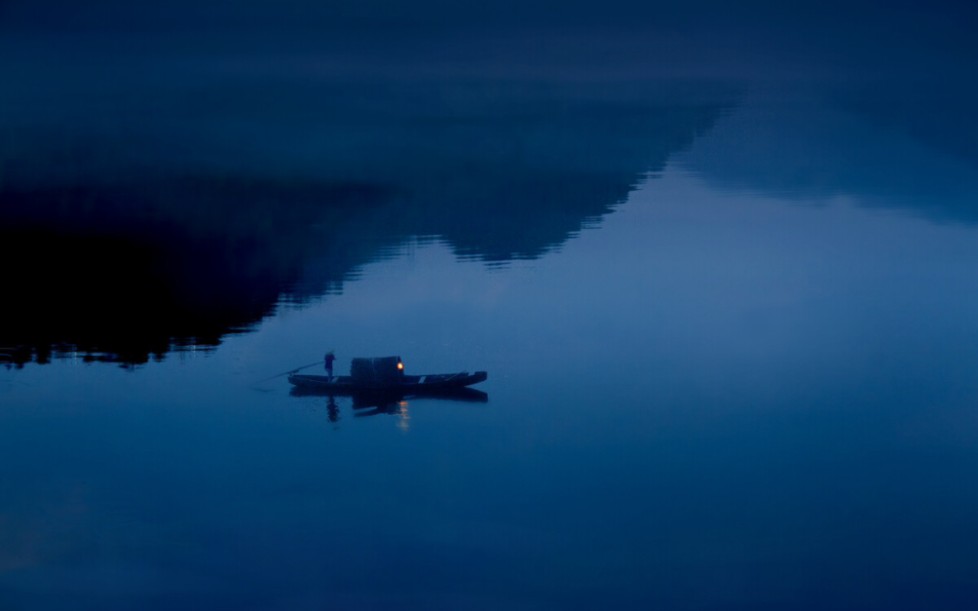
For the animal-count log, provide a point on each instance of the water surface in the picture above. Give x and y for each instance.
(728, 327)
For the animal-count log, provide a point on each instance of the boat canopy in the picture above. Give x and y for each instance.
(377, 372)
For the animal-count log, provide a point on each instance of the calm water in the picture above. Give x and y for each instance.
(729, 328)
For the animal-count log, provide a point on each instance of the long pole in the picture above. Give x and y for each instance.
(278, 375)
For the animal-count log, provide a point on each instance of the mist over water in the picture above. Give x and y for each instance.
(718, 261)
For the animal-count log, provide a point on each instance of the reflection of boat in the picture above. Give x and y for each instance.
(385, 376)
(373, 398)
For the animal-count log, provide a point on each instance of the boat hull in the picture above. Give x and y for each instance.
(407, 385)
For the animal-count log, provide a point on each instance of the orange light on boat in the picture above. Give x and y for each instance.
(400, 366)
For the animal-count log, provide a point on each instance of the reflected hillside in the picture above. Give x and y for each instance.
(502, 175)
(126, 237)
(898, 145)
(119, 273)
(939, 114)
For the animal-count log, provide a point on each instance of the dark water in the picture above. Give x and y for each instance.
(728, 322)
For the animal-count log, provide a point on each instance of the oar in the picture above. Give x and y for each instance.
(284, 373)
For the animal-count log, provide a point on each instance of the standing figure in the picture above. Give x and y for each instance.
(329, 358)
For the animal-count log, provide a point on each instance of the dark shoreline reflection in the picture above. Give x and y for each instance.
(114, 274)
(125, 250)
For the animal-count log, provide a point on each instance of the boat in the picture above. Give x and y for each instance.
(384, 375)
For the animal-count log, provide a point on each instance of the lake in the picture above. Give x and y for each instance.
(728, 324)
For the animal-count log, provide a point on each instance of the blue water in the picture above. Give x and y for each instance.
(728, 324)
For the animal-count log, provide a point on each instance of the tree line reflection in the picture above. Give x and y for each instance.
(122, 255)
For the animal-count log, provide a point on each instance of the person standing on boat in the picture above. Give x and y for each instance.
(329, 358)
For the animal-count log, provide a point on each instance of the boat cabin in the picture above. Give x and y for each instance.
(380, 372)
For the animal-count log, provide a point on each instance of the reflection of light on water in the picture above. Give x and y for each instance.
(404, 418)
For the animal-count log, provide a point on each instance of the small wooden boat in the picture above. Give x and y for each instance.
(409, 385)
(385, 374)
